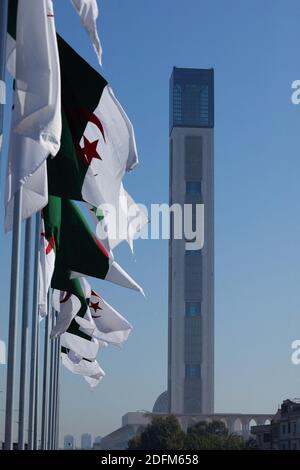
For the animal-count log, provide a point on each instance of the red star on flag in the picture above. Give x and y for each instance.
(90, 150)
(95, 306)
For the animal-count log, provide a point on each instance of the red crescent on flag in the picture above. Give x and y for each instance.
(94, 294)
(81, 117)
(95, 120)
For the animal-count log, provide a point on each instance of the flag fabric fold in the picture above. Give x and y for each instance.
(46, 267)
(98, 142)
(103, 322)
(36, 118)
(88, 12)
(95, 317)
(129, 219)
(90, 370)
(77, 248)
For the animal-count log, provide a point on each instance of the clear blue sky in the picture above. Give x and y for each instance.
(253, 47)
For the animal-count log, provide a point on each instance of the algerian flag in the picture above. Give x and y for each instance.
(103, 322)
(123, 223)
(46, 267)
(82, 366)
(88, 12)
(77, 249)
(81, 252)
(97, 319)
(67, 303)
(36, 118)
(97, 144)
(79, 342)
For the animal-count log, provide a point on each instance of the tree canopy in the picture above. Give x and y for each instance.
(165, 433)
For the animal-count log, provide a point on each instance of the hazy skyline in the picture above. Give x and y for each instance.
(253, 49)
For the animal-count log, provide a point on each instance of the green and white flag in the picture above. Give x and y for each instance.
(36, 126)
(68, 303)
(98, 143)
(77, 250)
(79, 342)
(46, 266)
(103, 322)
(97, 319)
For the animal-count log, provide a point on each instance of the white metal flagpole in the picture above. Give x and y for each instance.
(36, 403)
(45, 381)
(56, 395)
(51, 367)
(34, 329)
(24, 333)
(12, 331)
(54, 390)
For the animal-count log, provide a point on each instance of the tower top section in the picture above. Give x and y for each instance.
(191, 98)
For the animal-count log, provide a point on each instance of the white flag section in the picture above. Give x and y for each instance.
(46, 269)
(87, 348)
(103, 322)
(89, 369)
(116, 152)
(93, 380)
(36, 119)
(101, 325)
(67, 306)
(121, 223)
(88, 12)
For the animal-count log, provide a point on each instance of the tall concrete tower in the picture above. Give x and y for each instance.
(191, 273)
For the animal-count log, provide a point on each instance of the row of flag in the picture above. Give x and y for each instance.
(70, 140)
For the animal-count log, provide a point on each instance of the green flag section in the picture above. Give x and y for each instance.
(74, 250)
(98, 142)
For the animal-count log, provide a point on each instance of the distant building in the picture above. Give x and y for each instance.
(133, 423)
(283, 433)
(162, 403)
(86, 441)
(97, 443)
(69, 442)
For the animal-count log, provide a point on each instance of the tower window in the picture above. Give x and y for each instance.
(192, 309)
(192, 371)
(193, 188)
